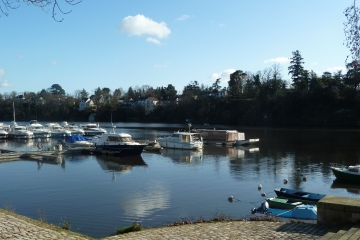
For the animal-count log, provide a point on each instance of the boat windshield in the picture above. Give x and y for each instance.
(126, 139)
(185, 138)
(119, 139)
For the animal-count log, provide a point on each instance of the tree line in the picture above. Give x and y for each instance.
(262, 98)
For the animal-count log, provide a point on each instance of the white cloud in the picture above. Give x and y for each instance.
(224, 75)
(183, 17)
(5, 84)
(335, 69)
(153, 40)
(140, 25)
(278, 60)
(53, 62)
(2, 73)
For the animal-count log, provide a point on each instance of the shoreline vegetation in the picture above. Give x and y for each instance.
(260, 99)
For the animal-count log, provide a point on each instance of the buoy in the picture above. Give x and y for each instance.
(230, 199)
(285, 181)
(263, 194)
(259, 187)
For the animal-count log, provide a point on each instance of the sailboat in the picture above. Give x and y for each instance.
(18, 131)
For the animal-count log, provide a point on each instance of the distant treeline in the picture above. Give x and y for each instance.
(253, 99)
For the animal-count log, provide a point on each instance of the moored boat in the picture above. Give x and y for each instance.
(38, 129)
(291, 193)
(19, 132)
(4, 130)
(120, 144)
(302, 212)
(57, 130)
(76, 141)
(286, 203)
(349, 173)
(92, 129)
(74, 129)
(181, 140)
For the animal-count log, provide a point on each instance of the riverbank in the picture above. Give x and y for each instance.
(14, 226)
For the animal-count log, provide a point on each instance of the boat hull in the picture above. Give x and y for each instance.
(341, 174)
(290, 193)
(121, 150)
(286, 203)
(176, 145)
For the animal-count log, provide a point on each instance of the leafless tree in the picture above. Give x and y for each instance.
(351, 30)
(45, 5)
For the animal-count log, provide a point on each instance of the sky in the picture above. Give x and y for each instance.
(122, 44)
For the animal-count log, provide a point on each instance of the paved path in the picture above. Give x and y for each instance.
(13, 226)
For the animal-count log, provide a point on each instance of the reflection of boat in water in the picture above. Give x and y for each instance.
(230, 152)
(120, 164)
(183, 156)
(349, 186)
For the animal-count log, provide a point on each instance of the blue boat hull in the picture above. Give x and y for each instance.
(290, 193)
(121, 150)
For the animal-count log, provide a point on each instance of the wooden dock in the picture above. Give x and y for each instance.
(10, 155)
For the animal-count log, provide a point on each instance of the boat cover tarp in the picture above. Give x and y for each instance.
(75, 138)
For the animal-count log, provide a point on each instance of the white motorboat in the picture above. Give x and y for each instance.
(38, 129)
(118, 143)
(57, 130)
(4, 130)
(74, 129)
(19, 132)
(92, 129)
(182, 140)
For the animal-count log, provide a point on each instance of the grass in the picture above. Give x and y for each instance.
(9, 207)
(133, 228)
(41, 215)
(65, 224)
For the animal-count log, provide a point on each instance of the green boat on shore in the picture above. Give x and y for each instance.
(286, 203)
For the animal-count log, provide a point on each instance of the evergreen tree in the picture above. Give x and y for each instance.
(296, 69)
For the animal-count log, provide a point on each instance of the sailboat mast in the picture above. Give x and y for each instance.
(14, 110)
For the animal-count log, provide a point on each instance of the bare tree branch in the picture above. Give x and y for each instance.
(351, 30)
(43, 4)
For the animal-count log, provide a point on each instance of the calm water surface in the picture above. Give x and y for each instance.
(98, 194)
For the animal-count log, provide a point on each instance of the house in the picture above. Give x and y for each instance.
(86, 103)
(149, 104)
(218, 94)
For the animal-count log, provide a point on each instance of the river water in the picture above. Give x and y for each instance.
(98, 194)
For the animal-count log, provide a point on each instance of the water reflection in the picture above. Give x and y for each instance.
(120, 164)
(183, 156)
(353, 188)
(154, 198)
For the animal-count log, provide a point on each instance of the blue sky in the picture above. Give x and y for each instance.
(122, 44)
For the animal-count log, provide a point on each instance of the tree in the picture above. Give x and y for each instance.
(56, 89)
(236, 83)
(351, 30)
(296, 68)
(43, 4)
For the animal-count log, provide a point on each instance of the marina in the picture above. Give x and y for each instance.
(164, 186)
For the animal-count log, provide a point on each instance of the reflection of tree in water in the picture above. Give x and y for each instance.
(292, 153)
(120, 164)
(183, 156)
